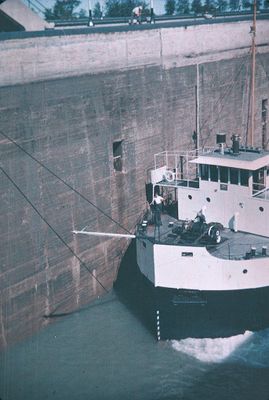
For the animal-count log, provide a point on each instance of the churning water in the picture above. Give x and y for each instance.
(105, 353)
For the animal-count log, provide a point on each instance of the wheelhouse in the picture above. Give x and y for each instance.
(230, 184)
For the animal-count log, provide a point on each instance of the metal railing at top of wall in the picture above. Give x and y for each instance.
(36, 6)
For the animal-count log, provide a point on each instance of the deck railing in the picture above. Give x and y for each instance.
(258, 188)
(178, 169)
(261, 194)
(243, 251)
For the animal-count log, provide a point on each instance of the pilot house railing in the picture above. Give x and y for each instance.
(178, 170)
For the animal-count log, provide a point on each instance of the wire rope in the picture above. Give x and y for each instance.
(53, 230)
(64, 182)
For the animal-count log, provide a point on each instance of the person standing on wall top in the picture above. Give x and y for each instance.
(137, 13)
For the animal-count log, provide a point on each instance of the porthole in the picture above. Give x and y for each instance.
(261, 209)
(208, 199)
(190, 196)
(245, 271)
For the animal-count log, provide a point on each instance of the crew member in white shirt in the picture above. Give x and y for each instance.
(157, 209)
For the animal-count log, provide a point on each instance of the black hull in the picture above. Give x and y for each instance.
(179, 314)
(211, 314)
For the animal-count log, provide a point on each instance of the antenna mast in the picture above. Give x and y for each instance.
(253, 72)
(197, 109)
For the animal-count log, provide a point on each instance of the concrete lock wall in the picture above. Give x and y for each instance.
(65, 99)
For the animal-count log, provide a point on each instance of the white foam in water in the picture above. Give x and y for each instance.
(210, 350)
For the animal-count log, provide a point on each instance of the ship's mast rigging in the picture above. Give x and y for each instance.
(251, 130)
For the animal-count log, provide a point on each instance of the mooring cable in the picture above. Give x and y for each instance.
(64, 182)
(53, 230)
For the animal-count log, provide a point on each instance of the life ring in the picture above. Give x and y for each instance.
(169, 175)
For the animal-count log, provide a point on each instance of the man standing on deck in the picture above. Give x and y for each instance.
(157, 209)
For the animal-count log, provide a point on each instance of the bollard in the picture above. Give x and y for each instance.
(253, 251)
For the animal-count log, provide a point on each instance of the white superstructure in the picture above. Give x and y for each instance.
(230, 186)
(232, 189)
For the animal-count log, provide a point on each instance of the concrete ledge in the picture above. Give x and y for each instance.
(50, 57)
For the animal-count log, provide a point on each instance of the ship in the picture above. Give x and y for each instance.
(203, 253)
(206, 262)
(202, 265)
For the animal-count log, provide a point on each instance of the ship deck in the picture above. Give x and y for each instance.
(233, 245)
(180, 182)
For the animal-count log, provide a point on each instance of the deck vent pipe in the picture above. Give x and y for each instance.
(235, 147)
(221, 140)
(264, 250)
(253, 251)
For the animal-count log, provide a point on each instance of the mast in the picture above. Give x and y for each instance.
(197, 122)
(253, 71)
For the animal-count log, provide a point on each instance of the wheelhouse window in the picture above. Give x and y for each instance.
(234, 175)
(204, 172)
(117, 155)
(261, 175)
(213, 173)
(224, 174)
(259, 180)
(244, 174)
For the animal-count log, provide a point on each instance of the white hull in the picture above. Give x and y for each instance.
(194, 268)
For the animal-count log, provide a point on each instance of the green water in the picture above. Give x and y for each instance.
(105, 353)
